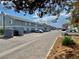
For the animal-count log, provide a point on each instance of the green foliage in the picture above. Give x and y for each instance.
(31, 5)
(67, 41)
(1, 31)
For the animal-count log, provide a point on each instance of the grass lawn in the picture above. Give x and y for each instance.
(64, 52)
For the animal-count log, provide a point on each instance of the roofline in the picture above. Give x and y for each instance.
(25, 20)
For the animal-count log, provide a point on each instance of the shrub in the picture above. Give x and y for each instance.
(67, 41)
(1, 31)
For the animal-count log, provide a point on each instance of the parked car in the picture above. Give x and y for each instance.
(70, 32)
(45, 30)
(32, 30)
(64, 29)
(16, 33)
(39, 31)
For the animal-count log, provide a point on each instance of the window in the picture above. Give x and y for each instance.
(26, 23)
(11, 21)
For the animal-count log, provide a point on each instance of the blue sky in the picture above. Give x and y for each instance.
(47, 19)
(61, 20)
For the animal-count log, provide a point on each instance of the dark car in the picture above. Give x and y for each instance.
(16, 33)
(33, 30)
(64, 29)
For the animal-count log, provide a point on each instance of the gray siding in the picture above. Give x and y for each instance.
(1, 21)
(8, 21)
(19, 24)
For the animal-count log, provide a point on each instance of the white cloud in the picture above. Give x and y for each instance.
(47, 20)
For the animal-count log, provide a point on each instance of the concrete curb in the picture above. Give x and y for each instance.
(51, 48)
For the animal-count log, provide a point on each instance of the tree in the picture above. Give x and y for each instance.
(44, 6)
(75, 14)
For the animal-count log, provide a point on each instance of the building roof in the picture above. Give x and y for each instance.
(18, 18)
(25, 20)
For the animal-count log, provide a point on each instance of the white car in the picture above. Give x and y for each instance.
(39, 31)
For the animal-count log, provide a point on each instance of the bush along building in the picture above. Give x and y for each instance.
(12, 25)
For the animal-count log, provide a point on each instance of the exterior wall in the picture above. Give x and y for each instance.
(28, 26)
(1, 21)
(21, 25)
(8, 22)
